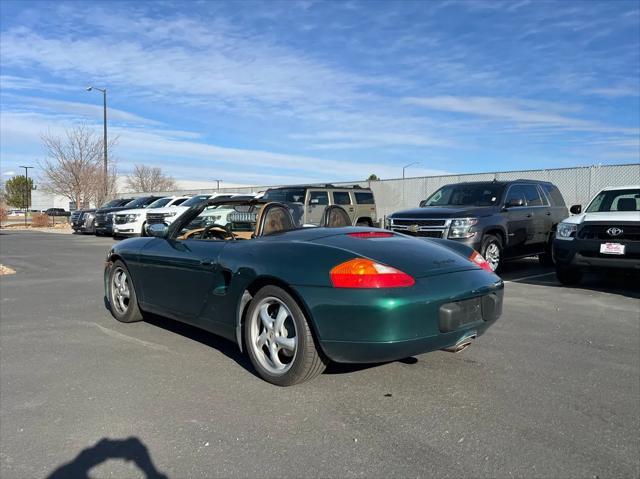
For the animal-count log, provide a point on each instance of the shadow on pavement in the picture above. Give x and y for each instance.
(130, 449)
(622, 283)
(226, 347)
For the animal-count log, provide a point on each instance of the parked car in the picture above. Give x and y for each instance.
(295, 297)
(359, 203)
(104, 216)
(500, 219)
(57, 212)
(83, 221)
(134, 221)
(606, 236)
(169, 214)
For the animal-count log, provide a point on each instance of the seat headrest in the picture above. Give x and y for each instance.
(335, 217)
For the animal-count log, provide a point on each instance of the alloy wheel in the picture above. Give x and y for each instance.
(120, 292)
(492, 255)
(273, 335)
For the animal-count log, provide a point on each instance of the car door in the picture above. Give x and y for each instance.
(543, 218)
(518, 219)
(180, 277)
(316, 203)
(343, 199)
(538, 233)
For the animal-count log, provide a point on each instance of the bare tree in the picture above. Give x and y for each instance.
(150, 178)
(73, 166)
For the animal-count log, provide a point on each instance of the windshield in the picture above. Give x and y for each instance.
(112, 203)
(195, 200)
(160, 203)
(140, 202)
(616, 200)
(286, 195)
(466, 195)
(239, 219)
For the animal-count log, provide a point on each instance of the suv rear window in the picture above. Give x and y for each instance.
(341, 198)
(554, 194)
(364, 198)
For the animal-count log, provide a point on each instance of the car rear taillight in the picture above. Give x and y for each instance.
(364, 273)
(371, 234)
(478, 259)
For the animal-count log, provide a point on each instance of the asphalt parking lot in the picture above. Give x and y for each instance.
(552, 390)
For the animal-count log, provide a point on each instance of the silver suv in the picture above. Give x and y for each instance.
(358, 202)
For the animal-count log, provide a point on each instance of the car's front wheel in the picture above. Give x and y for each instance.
(492, 252)
(123, 301)
(279, 340)
(568, 276)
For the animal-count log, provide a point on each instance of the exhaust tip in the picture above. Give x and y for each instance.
(462, 344)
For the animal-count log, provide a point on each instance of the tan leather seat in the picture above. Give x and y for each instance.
(335, 217)
(273, 218)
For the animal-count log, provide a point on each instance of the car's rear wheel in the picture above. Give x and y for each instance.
(568, 276)
(278, 339)
(143, 232)
(492, 252)
(123, 302)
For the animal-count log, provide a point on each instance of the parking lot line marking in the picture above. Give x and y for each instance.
(529, 277)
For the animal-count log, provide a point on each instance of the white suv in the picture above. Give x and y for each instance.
(133, 222)
(169, 214)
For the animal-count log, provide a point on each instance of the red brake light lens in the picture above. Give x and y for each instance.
(371, 234)
(364, 273)
(480, 261)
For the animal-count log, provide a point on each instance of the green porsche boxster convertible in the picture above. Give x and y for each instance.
(297, 297)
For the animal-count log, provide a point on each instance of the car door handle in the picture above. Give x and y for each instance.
(548, 213)
(206, 262)
(528, 215)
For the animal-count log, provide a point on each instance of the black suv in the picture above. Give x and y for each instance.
(57, 212)
(500, 219)
(103, 220)
(83, 221)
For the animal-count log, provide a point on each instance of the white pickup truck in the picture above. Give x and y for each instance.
(605, 236)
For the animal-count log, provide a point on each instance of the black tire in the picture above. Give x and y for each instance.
(491, 244)
(143, 233)
(124, 311)
(306, 361)
(568, 276)
(546, 258)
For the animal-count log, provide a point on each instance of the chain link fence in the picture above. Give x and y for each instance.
(577, 185)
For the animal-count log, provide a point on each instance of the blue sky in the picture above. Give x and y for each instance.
(282, 92)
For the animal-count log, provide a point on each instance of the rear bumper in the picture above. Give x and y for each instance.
(585, 255)
(369, 326)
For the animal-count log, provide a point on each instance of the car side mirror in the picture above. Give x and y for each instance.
(158, 230)
(576, 209)
(423, 203)
(514, 203)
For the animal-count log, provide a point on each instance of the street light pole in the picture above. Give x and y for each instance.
(104, 140)
(26, 191)
(218, 184)
(403, 169)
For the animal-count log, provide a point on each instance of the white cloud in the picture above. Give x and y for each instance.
(192, 160)
(527, 113)
(79, 110)
(619, 91)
